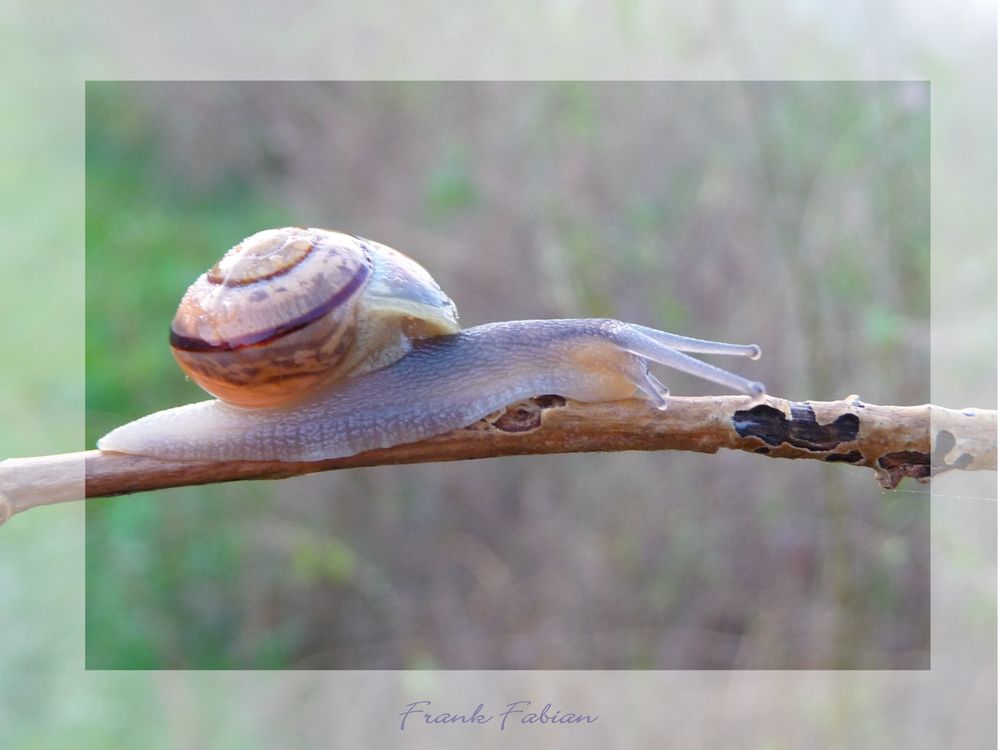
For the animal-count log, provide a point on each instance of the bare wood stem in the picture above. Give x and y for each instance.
(895, 441)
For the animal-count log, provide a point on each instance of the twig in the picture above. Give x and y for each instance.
(895, 441)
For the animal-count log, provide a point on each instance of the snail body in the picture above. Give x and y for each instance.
(363, 350)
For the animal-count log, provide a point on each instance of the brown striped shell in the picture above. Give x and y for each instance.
(290, 310)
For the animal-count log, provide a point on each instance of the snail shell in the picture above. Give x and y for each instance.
(287, 311)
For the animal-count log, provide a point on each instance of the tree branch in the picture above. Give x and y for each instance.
(895, 441)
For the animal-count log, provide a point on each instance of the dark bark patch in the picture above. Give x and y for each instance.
(549, 402)
(848, 458)
(800, 431)
(944, 444)
(525, 416)
(900, 464)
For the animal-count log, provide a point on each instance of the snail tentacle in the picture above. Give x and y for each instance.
(649, 343)
(700, 346)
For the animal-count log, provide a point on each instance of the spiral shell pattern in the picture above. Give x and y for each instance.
(274, 318)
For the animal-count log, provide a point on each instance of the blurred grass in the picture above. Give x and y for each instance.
(147, 239)
(794, 215)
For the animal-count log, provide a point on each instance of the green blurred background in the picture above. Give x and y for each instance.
(795, 216)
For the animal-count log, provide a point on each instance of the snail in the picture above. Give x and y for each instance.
(319, 344)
